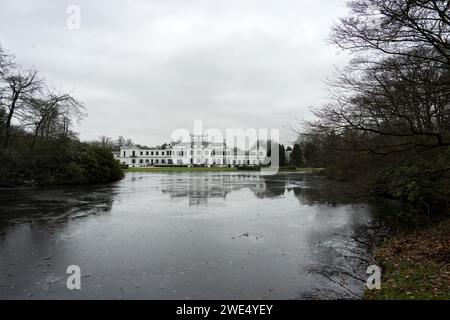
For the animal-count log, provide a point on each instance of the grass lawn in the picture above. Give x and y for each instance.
(415, 266)
(214, 169)
(181, 169)
(304, 170)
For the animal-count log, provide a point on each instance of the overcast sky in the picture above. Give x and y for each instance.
(145, 68)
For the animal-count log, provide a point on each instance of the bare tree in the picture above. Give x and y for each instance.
(128, 143)
(105, 142)
(20, 87)
(6, 62)
(412, 28)
(120, 142)
(53, 114)
(394, 98)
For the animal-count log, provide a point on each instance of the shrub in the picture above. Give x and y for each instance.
(61, 161)
(422, 183)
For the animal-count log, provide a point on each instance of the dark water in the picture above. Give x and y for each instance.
(183, 236)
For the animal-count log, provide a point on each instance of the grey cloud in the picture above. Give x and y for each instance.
(144, 68)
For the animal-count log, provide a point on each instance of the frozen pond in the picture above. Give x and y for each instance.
(179, 236)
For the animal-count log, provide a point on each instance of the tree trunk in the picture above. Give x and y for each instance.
(9, 119)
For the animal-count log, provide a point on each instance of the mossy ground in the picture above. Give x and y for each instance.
(415, 266)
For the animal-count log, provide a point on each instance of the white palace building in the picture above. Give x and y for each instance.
(197, 152)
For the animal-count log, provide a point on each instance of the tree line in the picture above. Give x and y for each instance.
(28, 104)
(387, 122)
(37, 143)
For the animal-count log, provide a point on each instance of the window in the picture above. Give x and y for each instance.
(124, 154)
(156, 161)
(157, 153)
(133, 161)
(162, 153)
(163, 161)
(151, 153)
(141, 161)
(142, 153)
(146, 153)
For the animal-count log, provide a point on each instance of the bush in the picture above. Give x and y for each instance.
(423, 183)
(289, 168)
(61, 161)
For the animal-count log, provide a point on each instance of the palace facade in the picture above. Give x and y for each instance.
(199, 151)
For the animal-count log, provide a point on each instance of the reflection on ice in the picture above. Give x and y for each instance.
(182, 236)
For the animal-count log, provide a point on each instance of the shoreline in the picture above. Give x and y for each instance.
(415, 265)
(215, 169)
(160, 170)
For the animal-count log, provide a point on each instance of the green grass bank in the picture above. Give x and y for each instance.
(416, 265)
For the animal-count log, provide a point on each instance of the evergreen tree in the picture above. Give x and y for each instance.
(282, 155)
(310, 154)
(2, 121)
(296, 158)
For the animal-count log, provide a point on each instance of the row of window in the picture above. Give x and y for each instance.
(206, 153)
(215, 153)
(149, 153)
(180, 162)
(152, 161)
(184, 153)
